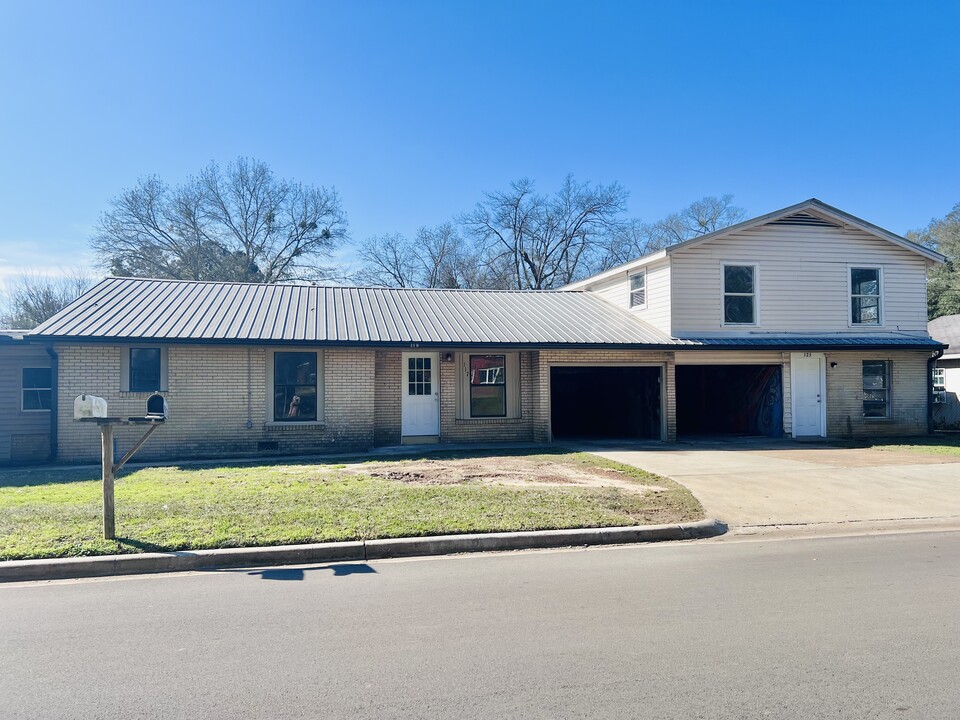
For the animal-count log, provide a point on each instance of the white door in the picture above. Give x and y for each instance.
(807, 389)
(420, 390)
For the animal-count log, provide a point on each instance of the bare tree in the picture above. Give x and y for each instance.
(633, 238)
(388, 261)
(546, 241)
(241, 223)
(31, 298)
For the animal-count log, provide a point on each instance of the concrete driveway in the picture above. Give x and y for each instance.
(773, 483)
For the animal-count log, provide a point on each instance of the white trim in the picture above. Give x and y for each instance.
(646, 289)
(321, 388)
(881, 309)
(756, 293)
(822, 390)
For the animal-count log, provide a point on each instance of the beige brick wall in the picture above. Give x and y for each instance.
(387, 397)
(518, 429)
(908, 384)
(211, 403)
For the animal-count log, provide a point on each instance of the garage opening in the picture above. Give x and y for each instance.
(605, 402)
(744, 400)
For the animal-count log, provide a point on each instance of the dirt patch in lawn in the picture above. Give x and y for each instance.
(514, 471)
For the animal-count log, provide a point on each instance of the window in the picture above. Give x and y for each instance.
(145, 369)
(36, 393)
(638, 289)
(420, 376)
(488, 386)
(865, 296)
(876, 388)
(295, 387)
(739, 294)
(939, 379)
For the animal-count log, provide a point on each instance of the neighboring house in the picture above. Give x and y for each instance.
(946, 373)
(805, 322)
(25, 400)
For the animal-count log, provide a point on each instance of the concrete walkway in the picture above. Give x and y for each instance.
(752, 485)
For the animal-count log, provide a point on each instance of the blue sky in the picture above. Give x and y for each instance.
(413, 109)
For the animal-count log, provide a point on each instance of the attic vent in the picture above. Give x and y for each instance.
(805, 219)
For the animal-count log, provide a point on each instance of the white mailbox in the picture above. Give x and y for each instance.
(89, 406)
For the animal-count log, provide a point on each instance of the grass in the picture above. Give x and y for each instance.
(57, 513)
(938, 444)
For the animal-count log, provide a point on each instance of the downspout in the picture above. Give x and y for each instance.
(937, 354)
(54, 399)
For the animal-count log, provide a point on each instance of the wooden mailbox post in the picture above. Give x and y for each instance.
(155, 417)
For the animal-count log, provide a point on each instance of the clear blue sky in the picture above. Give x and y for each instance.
(413, 109)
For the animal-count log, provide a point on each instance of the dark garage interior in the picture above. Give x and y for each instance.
(605, 402)
(729, 400)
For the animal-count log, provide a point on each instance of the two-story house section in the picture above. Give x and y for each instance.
(806, 322)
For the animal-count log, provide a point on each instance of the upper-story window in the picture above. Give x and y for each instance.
(739, 294)
(638, 289)
(865, 295)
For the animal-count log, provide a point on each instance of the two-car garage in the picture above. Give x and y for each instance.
(715, 396)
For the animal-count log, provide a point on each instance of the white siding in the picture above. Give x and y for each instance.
(802, 282)
(657, 311)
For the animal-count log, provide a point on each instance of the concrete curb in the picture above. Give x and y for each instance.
(63, 568)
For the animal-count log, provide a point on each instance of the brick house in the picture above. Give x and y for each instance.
(804, 322)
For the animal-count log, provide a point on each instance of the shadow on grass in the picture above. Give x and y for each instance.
(33, 476)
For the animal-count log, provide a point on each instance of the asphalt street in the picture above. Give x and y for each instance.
(856, 627)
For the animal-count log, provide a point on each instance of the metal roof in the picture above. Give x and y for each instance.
(182, 311)
(946, 329)
(809, 342)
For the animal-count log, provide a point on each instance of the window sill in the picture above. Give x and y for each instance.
(878, 419)
(488, 421)
(140, 393)
(306, 425)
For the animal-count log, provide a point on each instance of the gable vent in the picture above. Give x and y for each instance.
(807, 219)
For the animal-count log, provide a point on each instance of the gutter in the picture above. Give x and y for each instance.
(54, 400)
(937, 354)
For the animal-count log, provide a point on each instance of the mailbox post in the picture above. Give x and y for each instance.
(88, 408)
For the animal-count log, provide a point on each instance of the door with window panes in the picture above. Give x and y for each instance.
(420, 388)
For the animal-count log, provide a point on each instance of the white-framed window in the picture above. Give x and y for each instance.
(939, 379)
(489, 385)
(739, 293)
(143, 368)
(876, 388)
(295, 386)
(36, 389)
(866, 295)
(638, 289)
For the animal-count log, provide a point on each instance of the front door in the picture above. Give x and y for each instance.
(420, 389)
(807, 388)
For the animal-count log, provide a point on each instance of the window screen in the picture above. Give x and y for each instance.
(144, 369)
(876, 388)
(488, 386)
(294, 386)
(865, 296)
(739, 295)
(36, 389)
(638, 289)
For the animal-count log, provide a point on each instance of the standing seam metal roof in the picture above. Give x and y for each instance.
(171, 310)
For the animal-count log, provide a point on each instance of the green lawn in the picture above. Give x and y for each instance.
(941, 444)
(56, 513)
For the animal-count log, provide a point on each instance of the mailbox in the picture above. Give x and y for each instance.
(157, 408)
(89, 406)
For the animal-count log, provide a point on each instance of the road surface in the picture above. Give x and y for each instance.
(863, 627)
